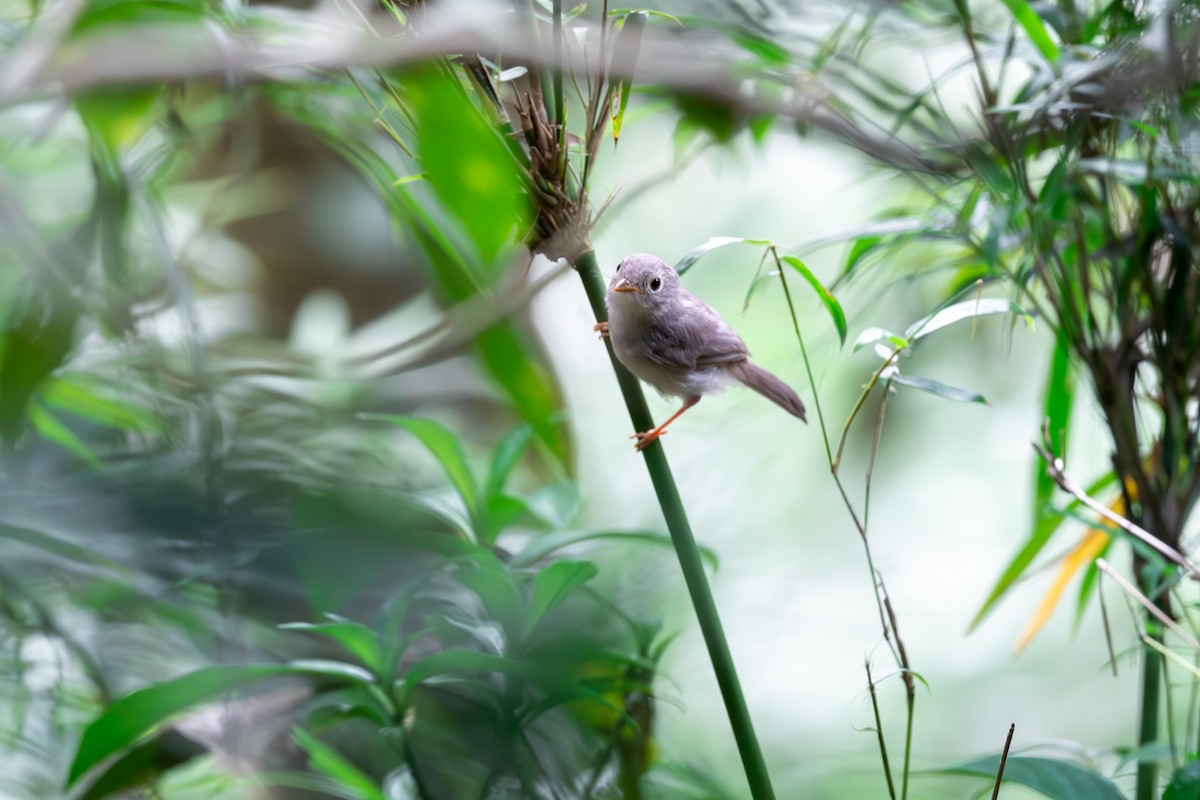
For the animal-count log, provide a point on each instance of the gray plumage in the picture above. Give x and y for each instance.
(675, 342)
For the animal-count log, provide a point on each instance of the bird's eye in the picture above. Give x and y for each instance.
(618, 267)
(655, 285)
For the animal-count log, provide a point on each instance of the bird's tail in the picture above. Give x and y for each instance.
(769, 387)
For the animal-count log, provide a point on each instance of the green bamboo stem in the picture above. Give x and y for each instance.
(685, 549)
(1147, 771)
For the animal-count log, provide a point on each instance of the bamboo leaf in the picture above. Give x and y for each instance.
(938, 388)
(967, 309)
(1037, 540)
(358, 640)
(686, 263)
(1085, 552)
(507, 454)
(826, 297)
(1034, 28)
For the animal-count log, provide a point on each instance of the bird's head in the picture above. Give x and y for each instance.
(644, 279)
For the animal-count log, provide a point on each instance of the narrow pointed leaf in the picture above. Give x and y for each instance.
(327, 761)
(1029, 551)
(686, 263)
(967, 309)
(826, 297)
(358, 640)
(873, 335)
(1034, 28)
(940, 389)
(1084, 553)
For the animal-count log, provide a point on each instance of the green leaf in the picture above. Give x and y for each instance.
(29, 354)
(327, 761)
(467, 163)
(1058, 780)
(507, 454)
(143, 764)
(446, 448)
(967, 309)
(118, 116)
(543, 546)
(625, 53)
(136, 714)
(827, 299)
(872, 335)
(1037, 540)
(553, 585)
(78, 395)
(767, 51)
(51, 428)
(1034, 28)
(1057, 401)
(1185, 783)
(685, 263)
(99, 13)
(940, 389)
(358, 640)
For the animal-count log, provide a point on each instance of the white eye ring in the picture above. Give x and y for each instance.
(655, 284)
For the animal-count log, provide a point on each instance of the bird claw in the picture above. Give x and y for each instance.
(602, 329)
(645, 438)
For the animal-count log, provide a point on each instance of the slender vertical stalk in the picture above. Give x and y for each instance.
(1147, 771)
(686, 550)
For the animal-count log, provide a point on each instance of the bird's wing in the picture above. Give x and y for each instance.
(695, 337)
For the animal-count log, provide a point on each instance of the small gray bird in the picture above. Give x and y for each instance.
(673, 341)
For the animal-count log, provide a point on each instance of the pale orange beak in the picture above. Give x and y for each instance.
(623, 285)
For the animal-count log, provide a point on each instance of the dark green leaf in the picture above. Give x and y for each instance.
(827, 299)
(940, 389)
(1185, 783)
(553, 585)
(1058, 780)
(29, 353)
(143, 765)
(133, 716)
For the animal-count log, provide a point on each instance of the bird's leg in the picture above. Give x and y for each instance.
(644, 439)
(602, 329)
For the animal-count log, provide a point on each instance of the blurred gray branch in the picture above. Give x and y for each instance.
(44, 67)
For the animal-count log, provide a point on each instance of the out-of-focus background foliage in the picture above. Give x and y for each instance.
(315, 483)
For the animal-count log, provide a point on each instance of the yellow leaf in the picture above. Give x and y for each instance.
(1090, 546)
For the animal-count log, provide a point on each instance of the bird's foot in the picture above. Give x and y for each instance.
(602, 329)
(646, 437)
